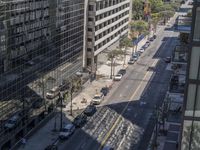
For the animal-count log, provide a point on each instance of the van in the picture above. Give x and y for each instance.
(53, 93)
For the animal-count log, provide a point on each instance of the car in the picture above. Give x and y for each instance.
(30, 63)
(147, 43)
(138, 53)
(90, 110)
(104, 90)
(12, 122)
(80, 120)
(151, 39)
(190, 3)
(183, 2)
(131, 61)
(97, 99)
(141, 50)
(135, 57)
(53, 93)
(117, 77)
(37, 104)
(67, 131)
(79, 73)
(154, 36)
(167, 59)
(122, 72)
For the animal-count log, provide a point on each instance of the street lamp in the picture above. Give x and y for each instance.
(61, 112)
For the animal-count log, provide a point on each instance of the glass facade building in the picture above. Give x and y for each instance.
(41, 44)
(191, 118)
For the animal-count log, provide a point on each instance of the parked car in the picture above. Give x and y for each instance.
(53, 93)
(151, 39)
(90, 110)
(97, 99)
(13, 122)
(37, 104)
(183, 2)
(190, 3)
(104, 90)
(131, 61)
(167, 59)
(138, 53)
(30, 63)
(117, 77)
(80, 120)
(154, 36)
(122, 72)
(135, 57)
(141, 50)
(147, 43)
(67, 131)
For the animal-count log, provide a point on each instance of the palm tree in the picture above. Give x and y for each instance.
(155, 18)
(124, 43)
(138, 28)
(111, 55)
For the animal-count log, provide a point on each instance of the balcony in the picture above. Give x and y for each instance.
(180, 54)
(177, 84)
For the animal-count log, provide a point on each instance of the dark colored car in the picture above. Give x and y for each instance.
(80, 120)
(167, 59)
(122, 71)
(154, 36)
(151, 39)
(104, 90)
(90, 110)
(182, 2)
(37, 104)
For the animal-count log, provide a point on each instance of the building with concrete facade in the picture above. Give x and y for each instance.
(39, 40)
(105, 22)
(191, 116)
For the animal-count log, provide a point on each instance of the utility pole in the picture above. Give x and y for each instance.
(61, 112)
(71, 97)
(111, 66)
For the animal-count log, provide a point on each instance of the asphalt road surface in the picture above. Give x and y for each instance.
(123, 121)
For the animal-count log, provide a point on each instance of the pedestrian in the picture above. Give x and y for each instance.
(23, 142)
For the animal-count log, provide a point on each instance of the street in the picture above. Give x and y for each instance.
(124, 119)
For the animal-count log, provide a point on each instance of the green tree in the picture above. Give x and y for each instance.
(140, 27)
(137, 9)
(155, 5)
(137, 28)
(155, 18)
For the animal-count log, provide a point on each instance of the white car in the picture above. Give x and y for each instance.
(118, 77)
(66, 131)
(97, 99)
(131, 61)
(52, 93)
(141, 50)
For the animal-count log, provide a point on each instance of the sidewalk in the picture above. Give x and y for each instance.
(45, 135)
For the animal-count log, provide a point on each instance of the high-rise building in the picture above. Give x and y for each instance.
(106, 21)
(41, 44)
(191, 117)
